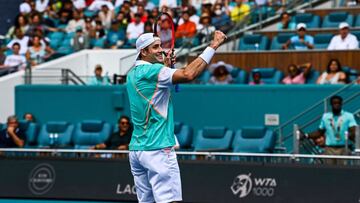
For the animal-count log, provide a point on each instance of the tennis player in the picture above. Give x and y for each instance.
(152, 157)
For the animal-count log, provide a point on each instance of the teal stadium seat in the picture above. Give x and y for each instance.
(203, 78)
(269, 75)
(357, 21)
(253, 42)
(184, 135)
(356, 33)
(280, 39)
(312, 77)
(2, 126)
(240, 76)
(311, 20)
(322, 40)
(91, 132)
(31, 131)
(213, 139)
(64, 131)
(254, 139)
(352, 74)
(334, 19)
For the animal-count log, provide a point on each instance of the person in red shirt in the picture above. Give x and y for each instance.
(187, 29)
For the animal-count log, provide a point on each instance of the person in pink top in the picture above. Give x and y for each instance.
(297, 74)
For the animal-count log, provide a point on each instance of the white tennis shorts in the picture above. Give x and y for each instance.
(156, 175)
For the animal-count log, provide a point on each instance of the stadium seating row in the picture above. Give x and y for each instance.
(272, 75)
(261, 42)
(332, 20)
(88, 133)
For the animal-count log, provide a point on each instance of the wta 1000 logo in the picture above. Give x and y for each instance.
(244, 184)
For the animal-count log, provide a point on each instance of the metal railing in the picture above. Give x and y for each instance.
(309, 116)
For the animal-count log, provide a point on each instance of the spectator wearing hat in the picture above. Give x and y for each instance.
(205, 29)
(221, 73)
(134, 30)
(344, 40)
(98, 79)
(301, 41)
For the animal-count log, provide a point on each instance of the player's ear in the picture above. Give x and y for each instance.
(143, 52)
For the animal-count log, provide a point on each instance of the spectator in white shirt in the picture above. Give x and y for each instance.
(106, 16)
(41, 5)
(76, 22)
(134, 30)
(15, 59)
(21, 39)
(96, 5)
(24, 7)
(344, 40)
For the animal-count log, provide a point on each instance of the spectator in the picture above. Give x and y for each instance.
(141, 11)
(76, 22)
(29, 117)
(115, 37)
(333, 126)
(97, 4)
(256, 78)
(165, 33)
(15, 59)
(333, 74)
(148, 5)
(12, 136)
(187, 29)
(240, 11)
(106, 16)
(21, 39)
(41, 5)
(38, 53)
(20, 22)
(25, 8)
(36, 23)
(122, 21)
(80, 41)
(344, 40)
(193, 17)
(301, 41)
(286, 23)
(148, 27)
(168, 3)
(134, 30)
(297, 74)
(80, 5)
(89, 26)
(221, 20)
(221, 73)
(98, 79)
(120, 139)
(206, 30)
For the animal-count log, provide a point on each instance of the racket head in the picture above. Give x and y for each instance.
(164, 28)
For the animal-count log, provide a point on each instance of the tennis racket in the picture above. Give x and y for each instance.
(164, 28)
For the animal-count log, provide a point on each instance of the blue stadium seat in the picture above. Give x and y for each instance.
(31, 132)
(312, 77)
(253, 42)
(357, 21)
(91, 132)
(254, 139)
(99, 43)
(280, 39)
(351, 73)
(55, 43)
(213, 139)
(184, 134)
(356, 33)
(311, 20)
(203, 78)
(64, 131)
(240, 76)
(334, 19)
(322, 40)
(269, 75)
(2, 126)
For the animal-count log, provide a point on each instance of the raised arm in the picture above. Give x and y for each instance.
(195, 68)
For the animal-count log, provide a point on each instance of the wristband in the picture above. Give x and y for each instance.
(207, 54)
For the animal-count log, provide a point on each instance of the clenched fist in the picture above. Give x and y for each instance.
(219, 38)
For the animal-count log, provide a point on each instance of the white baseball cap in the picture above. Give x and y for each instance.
(144, 41)
(301, 25)
(343, 25)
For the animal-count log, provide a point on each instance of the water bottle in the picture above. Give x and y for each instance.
(56, 136)
(51, 137)
(257, 46)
